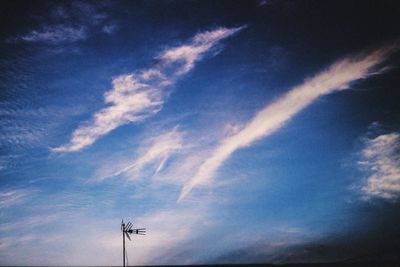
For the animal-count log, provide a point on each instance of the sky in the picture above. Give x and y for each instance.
(233, 131)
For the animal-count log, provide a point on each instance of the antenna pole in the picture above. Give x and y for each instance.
(127, 230)
(123, 242)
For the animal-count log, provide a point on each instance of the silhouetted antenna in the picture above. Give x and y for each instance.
(126, 231)
(128, 226)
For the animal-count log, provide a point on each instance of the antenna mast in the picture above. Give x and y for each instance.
(126, 231)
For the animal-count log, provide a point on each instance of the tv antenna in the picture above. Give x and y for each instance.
(126, 231)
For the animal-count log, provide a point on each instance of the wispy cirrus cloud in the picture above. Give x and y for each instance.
(136, 96)
(155, 154)
(66, 24)
(27, 223)
(14, 197)
(380, 158)
(170, 229)
(337, 77)
(28, 126)
(55, 34)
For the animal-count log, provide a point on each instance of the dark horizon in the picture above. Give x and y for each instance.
(388, 263)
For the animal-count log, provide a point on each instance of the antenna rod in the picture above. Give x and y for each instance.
(123, 241)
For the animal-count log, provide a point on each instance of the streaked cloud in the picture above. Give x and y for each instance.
(136, 96)
(56, 34)
(380, 158)
(168, 230)
(109, 28)
(66, 24)
(337, 77)
(129, 101)
(14, 197)
(27, 223)
(155, 155)
(28, 127)
(262, 2)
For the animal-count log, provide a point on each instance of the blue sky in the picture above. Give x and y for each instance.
(234, 131)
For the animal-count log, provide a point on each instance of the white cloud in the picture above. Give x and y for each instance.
(109, 28)
(137, 96)
(157, 153)
(56, 34)
(271, 118)
(381, 159)
(262, 2)
(67, 24)
(167, 230)
(28, 223)
(77, 238)
(13, 197)
(130, 101)
(188, 54)
(71, 240)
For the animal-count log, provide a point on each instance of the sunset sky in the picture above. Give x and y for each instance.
(234, 131)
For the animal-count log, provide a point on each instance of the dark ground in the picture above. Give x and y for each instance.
(340, 264)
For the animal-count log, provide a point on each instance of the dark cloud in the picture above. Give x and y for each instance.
(376, 238)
